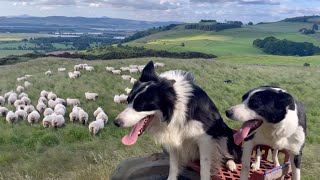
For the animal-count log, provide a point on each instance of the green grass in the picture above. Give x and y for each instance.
(5, 53)
(19, 36)
(32, 152)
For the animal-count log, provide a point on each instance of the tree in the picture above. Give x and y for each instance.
(250, 23)
(315, 27)
(182, 44)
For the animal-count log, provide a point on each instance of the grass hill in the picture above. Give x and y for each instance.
(230, 42)
(32, 152)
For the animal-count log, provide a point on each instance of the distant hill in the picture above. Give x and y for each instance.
(26, 23)
(307, 19)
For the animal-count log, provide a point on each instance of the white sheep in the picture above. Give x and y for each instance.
(133, 66)
(60, 106)
(76, 109)
(43, 100)
(126, 77)
(141, 67)
(33, 117)
(2, 101)
(72, 75)
(6, 95)
(52, 96)
(97, 111)
(61, 69)
(20, 89)
(11, 117)
(133, 71)
(3, 111)
(73, 116)
(41, 107)
(120, 99)
(47, 121)
(103, 116)
(91, 96)
(116, 99)
(157, 64)
(44, 93)
(61, 101)
(89, 68)
(48, 73)
(125, 68)
(109, 68)
(77, 67)
(116, 72)
(96, 126)
(27, 84)
(27, 75)
(23, 95)
(60, 111)
(21, 107)
(128, 90)
(48, 112)
(133, 80)
(29, 109)
(26, 100)
(77, 73)
(73, 102)
(22, 114)
(20, 79)
(18, 103)
(58, 121)
(52, 103)
(83, 117)
(12, 98)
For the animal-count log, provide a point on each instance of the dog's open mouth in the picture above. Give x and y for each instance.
(137, 130)
(246, 130)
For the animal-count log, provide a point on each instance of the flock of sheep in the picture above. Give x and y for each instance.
(53, 108)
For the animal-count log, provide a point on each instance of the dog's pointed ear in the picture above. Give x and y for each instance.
(148, 73)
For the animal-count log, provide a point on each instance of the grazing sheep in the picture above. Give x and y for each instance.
(103, 116)
(58, 121)
(133, 71)
(83, 117)
(125, 68)
(44, 93)
(52, 103)
(20, 79)
(27, 85)
(60, 106)
(47, 121)
(12, 98)
(43, 100)
(77, 73)
(3, 111)
(116, 99)
(60, 111)
(48, 73)
(96, 126)
(20, 89)
(21, 114)
(89, 68)
(73, 117)
(23, 95)
(29, 109)
(120, 99)
(33, 117)
(27, 75)
(97, 111)
(133, 80)
(72, 75)
(73, 102)
(157, 64)
(6, 95)
(41, 107)
(52, 96)
(77, 67)
(141, 67)
(26, 100)
(11, 117)
(91, 96)
(61, 69)
(126, 77)
(21, 107)
(128, 90)
(18, 103)
(133, 66)
(61, 101)
(110, 68)
(116, 72)
(76, 109)
(2, 101)
(48, 112)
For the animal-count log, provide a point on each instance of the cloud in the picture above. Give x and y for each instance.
(253, 2)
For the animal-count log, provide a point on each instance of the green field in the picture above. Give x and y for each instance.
(32, 152)
(231, 42)
(5, 53)
(19, 36)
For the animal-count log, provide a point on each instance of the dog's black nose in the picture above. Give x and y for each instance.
(118, 122)
(229, 113)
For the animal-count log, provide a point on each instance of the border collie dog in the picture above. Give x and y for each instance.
(182, 118)
(271, 117)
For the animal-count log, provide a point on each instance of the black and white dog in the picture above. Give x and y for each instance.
(271, 117)
(181, 117)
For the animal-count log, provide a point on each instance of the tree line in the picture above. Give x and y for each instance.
(214, 26)
(272, 45)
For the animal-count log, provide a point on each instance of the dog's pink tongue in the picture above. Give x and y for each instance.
(132, 137)
(243, 132)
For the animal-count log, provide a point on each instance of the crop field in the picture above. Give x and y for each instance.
(34, 152)
(19, 36)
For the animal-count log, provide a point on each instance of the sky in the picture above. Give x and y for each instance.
(165, 10)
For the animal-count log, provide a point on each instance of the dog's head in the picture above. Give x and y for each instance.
(265, 104)
(151, 99)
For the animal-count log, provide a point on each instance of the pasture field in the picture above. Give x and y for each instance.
(5, 53)
(19, 36)
(33, 152)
